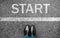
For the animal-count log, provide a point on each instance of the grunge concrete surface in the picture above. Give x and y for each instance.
(15, 29)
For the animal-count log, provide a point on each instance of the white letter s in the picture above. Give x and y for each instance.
(15, 8)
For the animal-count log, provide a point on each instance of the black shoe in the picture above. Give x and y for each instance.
(33, 30)
(26, 30)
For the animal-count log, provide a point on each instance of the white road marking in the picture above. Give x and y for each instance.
(29, 18)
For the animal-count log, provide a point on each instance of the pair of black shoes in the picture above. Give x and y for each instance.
(29, 30)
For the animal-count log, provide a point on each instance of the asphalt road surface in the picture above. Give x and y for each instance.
(43, 29)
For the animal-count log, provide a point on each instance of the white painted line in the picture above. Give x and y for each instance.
(29, 18)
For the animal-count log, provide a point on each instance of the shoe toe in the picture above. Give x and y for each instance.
(26, 29)
(33, 30)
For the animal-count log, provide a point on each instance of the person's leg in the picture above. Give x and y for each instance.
(26, 36)
(33, 36)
